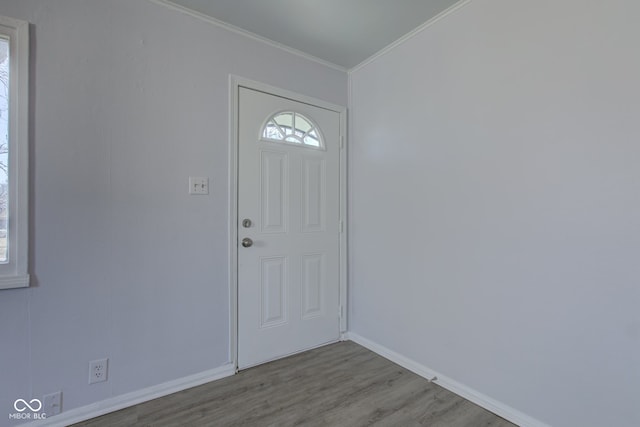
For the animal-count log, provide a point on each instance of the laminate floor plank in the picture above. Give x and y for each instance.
(341, 384)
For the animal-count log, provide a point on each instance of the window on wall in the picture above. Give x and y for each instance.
(4, 146)
(292, 128)
(14, 142)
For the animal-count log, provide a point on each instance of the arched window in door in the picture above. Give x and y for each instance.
(289, 127)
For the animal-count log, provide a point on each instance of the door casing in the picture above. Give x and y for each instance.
(235, 83)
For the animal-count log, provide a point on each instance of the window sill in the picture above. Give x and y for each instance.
(10, 282)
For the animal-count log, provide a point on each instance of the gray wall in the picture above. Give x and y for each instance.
(495, 205)
(129, 98)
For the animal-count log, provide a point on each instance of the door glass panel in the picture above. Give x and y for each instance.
(292, 128)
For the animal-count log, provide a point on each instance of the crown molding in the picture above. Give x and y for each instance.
(206, 18)
(410, 35)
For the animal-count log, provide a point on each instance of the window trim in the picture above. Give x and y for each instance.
(15, 273)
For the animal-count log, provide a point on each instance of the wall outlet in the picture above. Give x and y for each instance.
(98, 370)
(52, 403)
(198, 185)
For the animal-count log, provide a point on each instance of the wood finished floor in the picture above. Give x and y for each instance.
(341, 384)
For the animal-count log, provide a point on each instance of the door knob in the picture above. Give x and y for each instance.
(247, 242)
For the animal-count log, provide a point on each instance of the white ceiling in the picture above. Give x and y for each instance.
(342, 32)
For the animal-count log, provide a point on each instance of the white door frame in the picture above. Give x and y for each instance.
(235, 83)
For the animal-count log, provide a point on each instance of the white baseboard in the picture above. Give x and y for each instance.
(140, 396)
(462, 390)
(136, 397)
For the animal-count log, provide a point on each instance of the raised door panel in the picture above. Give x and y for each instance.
(312, 285)
(314, 195)
(274, 289)
(274, 171)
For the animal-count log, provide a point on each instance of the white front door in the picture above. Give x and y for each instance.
(289, 221)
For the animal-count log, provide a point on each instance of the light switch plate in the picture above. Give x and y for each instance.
(198, 185)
